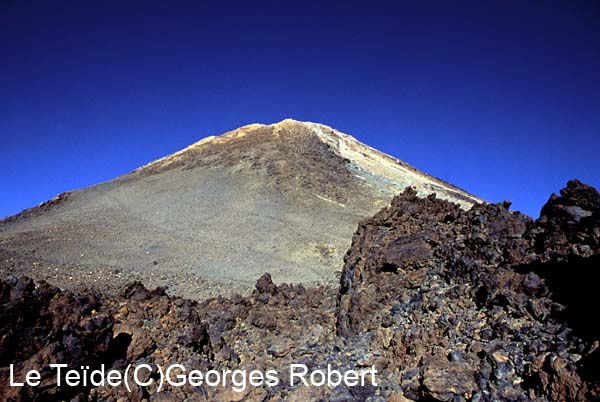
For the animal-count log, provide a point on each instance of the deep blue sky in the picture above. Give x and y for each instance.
(500, 98)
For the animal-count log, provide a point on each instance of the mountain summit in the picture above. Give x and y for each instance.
(210, 219)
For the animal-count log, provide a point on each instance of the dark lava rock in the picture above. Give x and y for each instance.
(491, 284)
(265, 284)
(569, 224)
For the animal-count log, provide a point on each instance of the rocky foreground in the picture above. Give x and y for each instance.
(447, 304)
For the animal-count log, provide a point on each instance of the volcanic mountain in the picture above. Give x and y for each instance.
(210, 219)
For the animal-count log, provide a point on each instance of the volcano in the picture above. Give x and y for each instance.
(283, 198)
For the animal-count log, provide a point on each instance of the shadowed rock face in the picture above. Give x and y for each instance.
(448, 304)
(210, 219)
(483, 303)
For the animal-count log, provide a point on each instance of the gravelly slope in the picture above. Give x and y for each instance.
(210, 219)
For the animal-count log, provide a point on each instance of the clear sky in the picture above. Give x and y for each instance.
(500, 98)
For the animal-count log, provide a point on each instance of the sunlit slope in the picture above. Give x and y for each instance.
(283, 198)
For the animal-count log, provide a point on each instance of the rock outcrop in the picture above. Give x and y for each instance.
(484, 304)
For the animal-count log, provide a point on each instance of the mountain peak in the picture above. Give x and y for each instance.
(295, 143)
(209, 219)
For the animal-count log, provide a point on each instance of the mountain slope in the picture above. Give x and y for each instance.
(210, 219)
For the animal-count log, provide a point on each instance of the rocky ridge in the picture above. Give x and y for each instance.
(450, 305)
(477, 304)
